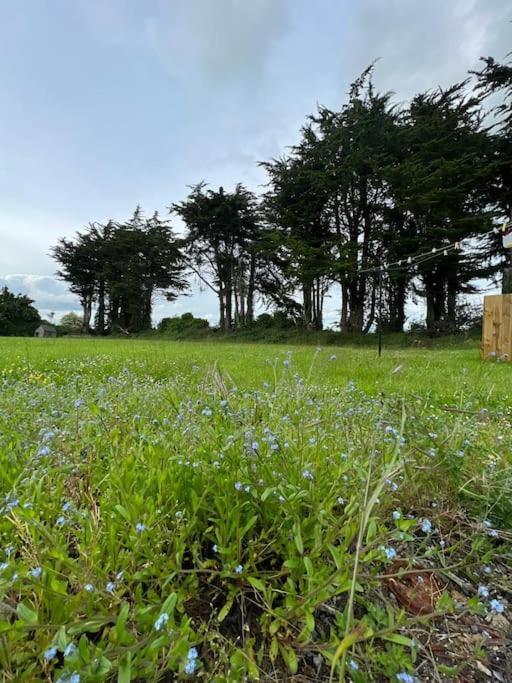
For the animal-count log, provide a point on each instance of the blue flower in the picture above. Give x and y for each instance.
(36, 572)
(48, 436)
(404, 677)
(255, 445)
(397, 515)
(239, 569)
(50, 653)
(497, 606)
(389, 552)
(110, 587)
(426, 526)
(353, 665)
(43, 450)
(69, 650)
(139, 527)
(67, 506)
(191, 663)
(3, 566)
(307, 474)
(207, 411)
(60, 521)
(73, 678)
(89, 587)
(483, 591)
(78, 403)
(161, 621)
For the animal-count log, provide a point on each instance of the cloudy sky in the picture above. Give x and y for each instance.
(108, 103)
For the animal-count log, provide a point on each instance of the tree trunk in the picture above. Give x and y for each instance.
(344, 307)
(250, 290)
(100, 327)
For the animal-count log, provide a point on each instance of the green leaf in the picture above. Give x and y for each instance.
(298, 538)
(124, 513)
(398, 639)
(290, 658)
(256, 583)
(225, 610)
(124, 674)
(26, 614)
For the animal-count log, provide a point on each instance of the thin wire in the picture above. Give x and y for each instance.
(410, 261)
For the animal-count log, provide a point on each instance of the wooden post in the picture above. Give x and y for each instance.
(497, 328)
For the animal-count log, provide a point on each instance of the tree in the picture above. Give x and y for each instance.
(441, 186)
(17, 315)
(71, 323)
(120, 267)
(222, 234)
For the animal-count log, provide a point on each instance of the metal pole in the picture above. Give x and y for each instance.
(379, 329)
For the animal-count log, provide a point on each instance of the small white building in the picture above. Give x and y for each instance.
(45, 330)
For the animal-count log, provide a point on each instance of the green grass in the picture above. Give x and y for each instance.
(158, 497)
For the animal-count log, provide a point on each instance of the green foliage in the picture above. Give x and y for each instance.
(71, 323)
(182, 326)
(152, 503)
(18, 317)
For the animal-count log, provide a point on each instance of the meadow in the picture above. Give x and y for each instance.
(220, 512)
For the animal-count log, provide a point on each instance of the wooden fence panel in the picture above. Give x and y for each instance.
(497, 327)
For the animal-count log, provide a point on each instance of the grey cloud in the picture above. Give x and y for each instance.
(48, 293)
(219, 40)
(422, 45)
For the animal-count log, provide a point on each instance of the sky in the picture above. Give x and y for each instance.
(106, 104)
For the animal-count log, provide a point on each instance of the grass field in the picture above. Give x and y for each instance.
(178, 511)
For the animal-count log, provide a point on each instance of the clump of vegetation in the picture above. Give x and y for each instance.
(17, 315)
(162, 517)
(182, 326)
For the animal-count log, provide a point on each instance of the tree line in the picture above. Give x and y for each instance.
(365, 185)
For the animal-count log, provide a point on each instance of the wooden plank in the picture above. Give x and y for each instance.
(497, 327)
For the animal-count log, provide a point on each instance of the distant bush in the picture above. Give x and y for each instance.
(182, 325)
(71, 323)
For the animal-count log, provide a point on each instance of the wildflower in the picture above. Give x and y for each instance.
(36, 572)
(432, 452)
(139, 527)
(47, 436)
(110, 587)
(497, 606)
(433, 435)
(238, 485)
(286, 362)
(50, 653)
(353, 665)
(307, 474)
(487, 569)
(161, 621)
(333, 357)
(191, 663)
(493, 533)
(389, 552)
(404, 677)
(3, 566)
(392, 485)
(73, 678)
(255, 445)
(67, 506)
(215, 548)
(207, 412)
(43, 450)
(239, 569)
(78, 403)
(89, 588)
(340, 501)
(312, 440)
(426, 526)
(483, 591)
(60, 521)
(397, 515)
(69, 650)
